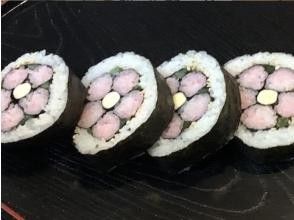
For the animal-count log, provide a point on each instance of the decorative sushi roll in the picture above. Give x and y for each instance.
(39, 98)
(266, 82)
(127, 108)
(206, 110)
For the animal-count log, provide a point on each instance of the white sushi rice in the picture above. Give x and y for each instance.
(274, 137)
(217, 87)
(57, 98)
(84, 141)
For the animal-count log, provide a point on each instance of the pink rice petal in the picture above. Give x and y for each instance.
(125, 81)
(99, 87)
(259, 117)
(91, 113)
(195, 108)
(192, 83)
(35, 101)
(11, 117)
(5, 99)
(129, 104)
(248, 97)
(14, 78)
(253, 78)
(174, 128)
(285, 106)
(106, 127)
(40, 75)
(281, 80)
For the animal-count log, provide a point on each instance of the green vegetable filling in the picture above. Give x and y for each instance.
(26, 117)
(203, 90)
(181, 73)
(138, 87)
(46, 85)
(186, 124)
(33, 66)
(268, 68)
(115, 70)
(283, 122)
(122, 122)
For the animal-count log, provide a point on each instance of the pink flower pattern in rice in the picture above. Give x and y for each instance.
(103, 121)
(195, 106)
(16, 109)
(259, 116)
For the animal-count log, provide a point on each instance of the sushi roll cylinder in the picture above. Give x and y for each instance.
(39, 99)
(127, 108)
(266, 82)
(206, 111)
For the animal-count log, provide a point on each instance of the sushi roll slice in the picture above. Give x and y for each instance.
(127, 108)
(206, 111)
(266, 82)
(39, 98)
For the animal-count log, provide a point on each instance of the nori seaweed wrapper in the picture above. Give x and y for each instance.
(221, 133)
(64, 126)
(136, 144)
(265, 156)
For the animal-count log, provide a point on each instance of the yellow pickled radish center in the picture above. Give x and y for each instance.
(267, 97)
(21, 90)
(179, 99)
(110, 100)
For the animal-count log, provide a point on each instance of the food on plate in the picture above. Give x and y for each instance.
(266, 82)
(206, 110)
(39, 98)
(127, 108)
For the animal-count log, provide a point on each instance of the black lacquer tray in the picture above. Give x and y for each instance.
(48, 184)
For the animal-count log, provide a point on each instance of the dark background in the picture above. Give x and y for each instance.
(48, 184)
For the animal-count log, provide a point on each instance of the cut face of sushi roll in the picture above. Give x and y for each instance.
(36, 92)
(127, 108)
(206, 110)
(266, 82)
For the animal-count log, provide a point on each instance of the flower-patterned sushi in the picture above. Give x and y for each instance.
(266, 82)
